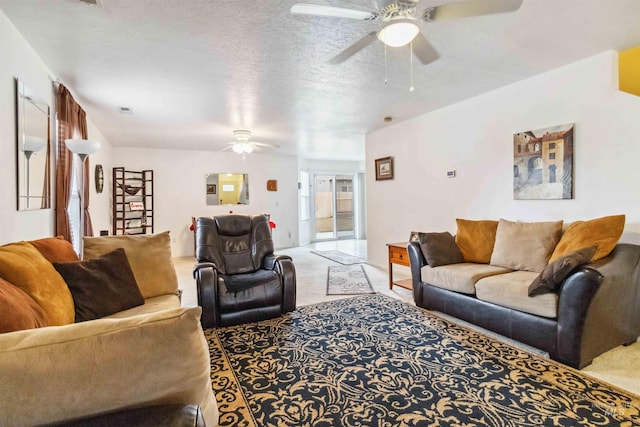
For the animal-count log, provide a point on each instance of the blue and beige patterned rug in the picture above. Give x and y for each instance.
(375, 361)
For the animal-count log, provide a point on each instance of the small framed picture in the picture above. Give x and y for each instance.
(211, 189)
(384, 168)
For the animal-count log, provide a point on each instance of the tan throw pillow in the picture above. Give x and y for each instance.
(439, 249)
(476, 239)
(525, 245)
(148, 255)
(101, 286)
(22, 265)
(104, 365)
(554, 273)
(18, 310)
(601, 232)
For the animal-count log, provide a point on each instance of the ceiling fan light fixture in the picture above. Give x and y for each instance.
(398, 33)
(242, 148)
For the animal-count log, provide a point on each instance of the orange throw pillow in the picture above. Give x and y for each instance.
(22, 265)
(476, 239)
(601, 232)
(18, 310)
(56, 249)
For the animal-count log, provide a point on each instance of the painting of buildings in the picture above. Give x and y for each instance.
(543, 163)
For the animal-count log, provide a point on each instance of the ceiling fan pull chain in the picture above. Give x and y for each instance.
(385, 63)
(411, 88)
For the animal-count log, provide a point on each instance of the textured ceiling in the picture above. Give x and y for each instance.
(192, 71)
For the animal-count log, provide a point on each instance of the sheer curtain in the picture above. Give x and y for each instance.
(72, 123)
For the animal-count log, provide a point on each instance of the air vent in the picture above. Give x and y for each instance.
(126, 110)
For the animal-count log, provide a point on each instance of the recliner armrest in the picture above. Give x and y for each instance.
(206, 276)
(270, 261)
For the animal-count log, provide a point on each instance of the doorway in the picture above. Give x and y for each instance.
(334, 206)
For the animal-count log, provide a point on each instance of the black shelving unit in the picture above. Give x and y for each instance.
(132, 202)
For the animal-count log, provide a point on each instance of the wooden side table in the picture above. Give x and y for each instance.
(398, 255)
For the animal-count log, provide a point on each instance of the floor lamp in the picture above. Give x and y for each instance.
(83, 148)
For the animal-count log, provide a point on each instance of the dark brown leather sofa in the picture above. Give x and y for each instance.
(598, 308)
(239, 279)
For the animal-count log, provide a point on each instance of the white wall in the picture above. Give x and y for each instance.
(19, 60)
(475, 137)
(179, 188)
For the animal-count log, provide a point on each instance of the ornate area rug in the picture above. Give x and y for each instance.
(339, 257)
(375, 361)
(347, 280)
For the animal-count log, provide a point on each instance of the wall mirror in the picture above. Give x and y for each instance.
(33, 150)
(227, 189)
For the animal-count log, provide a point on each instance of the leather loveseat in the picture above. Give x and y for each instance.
(595, 308)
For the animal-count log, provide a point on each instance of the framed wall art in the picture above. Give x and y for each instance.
(384, 168)
(543, 163)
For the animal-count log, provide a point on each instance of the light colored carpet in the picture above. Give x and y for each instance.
(347, 280)
(620, 366)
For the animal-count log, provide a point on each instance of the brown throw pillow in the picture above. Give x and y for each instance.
(101, 286)
(55, 249)
(601, 232)
(439, 249)
(554, 273)
(18, 310)
(476, 239)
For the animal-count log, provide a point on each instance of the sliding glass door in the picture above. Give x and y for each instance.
(334, 206)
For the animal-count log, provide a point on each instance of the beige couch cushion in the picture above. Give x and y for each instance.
(151, 305)
(149, 257)
(459, 277)
(525, 245)
(511, 290)
(59, 373)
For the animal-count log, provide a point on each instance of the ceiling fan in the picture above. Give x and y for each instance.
(400, 20)
(243, 145)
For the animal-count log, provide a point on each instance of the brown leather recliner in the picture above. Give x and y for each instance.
(239, 278)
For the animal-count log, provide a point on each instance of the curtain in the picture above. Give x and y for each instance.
(72, 123)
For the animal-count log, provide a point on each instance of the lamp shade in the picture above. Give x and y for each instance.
(82, 146)
(33, 144)
(398, 33)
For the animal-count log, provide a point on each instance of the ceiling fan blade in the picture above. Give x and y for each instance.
(264, 144)
(353, 49)
(470, 8)
(335, 12)
(423, 50)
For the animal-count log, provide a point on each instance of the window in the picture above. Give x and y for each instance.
(552, 156)
(519, 148)
(552, 146)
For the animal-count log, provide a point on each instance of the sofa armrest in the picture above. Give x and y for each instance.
(60, 373)
(283, 265)
(206, 276)
(417, 261)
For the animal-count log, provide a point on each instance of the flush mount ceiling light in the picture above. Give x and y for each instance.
(243, 144)
(398, 33)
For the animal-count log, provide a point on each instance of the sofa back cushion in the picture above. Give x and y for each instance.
(148, 255)
(525, 245)
(55, 249)
(18, 310)
(476, 239)
(61, 373)
(603, 233)
(22, 265)
(101, 286)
